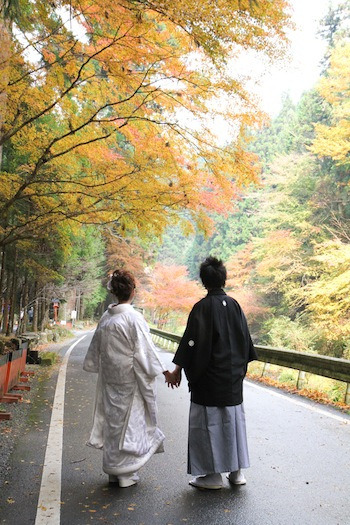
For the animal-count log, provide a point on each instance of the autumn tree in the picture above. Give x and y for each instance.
(240, 271)
(327, 295)
(106, 112)
(334, 140)
(125, 253)
(298, 261)
(98, 102)
(169, 291)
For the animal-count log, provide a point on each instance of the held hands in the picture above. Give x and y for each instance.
(173, 378)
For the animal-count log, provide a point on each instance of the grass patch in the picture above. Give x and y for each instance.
(48, 358)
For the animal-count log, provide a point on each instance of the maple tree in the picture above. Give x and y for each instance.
(97, 105)
(92, 129)
(125, 253)
(240, 267)
(169, 290)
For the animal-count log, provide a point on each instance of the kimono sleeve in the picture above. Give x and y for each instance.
(252, 354)
(194, 351)
(92, 358)
(146, 358)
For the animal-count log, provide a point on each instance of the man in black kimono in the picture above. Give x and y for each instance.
(214, 353)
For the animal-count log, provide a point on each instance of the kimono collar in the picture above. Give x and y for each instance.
(118, 308)
(216, 291)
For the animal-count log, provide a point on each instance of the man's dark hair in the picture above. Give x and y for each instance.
(213, 273)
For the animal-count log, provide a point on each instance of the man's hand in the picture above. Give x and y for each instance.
(173, 378)
(177, 374)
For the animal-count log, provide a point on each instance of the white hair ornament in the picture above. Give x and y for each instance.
(109, 284)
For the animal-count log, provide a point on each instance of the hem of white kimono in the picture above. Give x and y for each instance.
(97, 446)
(139, 462)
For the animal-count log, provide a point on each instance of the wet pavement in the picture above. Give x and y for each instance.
(299, 475)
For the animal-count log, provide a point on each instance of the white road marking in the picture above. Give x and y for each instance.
(300, 403)
(49, 505)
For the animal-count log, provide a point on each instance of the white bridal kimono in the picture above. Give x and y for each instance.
(125, 416)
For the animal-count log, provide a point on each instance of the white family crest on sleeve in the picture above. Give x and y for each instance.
(191, 342)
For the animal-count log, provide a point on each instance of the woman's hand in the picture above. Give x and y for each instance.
(172, 378)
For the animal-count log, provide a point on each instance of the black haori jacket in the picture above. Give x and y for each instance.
(215, 350)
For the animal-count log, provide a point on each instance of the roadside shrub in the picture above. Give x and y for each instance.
(48, 358)
(282, 332)
(8, 344)
(334, 347)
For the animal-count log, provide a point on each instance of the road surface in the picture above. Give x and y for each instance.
(299, 451)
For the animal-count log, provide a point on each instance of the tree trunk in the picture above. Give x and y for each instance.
(35, 308)
(13, 295)
(20, 310)
(5, 321)
(77, 307)
(45, 310)
(40, 307)
(2, 280)
(82, 307)
(24, 320)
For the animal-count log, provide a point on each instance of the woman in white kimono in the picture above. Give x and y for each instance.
(123, 354)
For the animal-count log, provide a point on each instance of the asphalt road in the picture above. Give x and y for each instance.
(299, 475)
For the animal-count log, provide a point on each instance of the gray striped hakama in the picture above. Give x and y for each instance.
(217, 439)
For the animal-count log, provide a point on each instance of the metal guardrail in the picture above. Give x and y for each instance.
(320, 365)
(168, 336)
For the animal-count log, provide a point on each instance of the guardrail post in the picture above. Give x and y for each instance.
(301, 379)
(347, 394)
(265, 369)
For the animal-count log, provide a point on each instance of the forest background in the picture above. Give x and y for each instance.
(109, 160)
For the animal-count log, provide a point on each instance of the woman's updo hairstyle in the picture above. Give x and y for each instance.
(213, 273)
(122, 284)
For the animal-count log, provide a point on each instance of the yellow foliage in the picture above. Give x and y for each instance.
(99, 128)
(334, 140)
(328, 296)
(278, 260)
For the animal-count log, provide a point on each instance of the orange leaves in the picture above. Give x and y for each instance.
(105, 121)
(125, 253)
(240, 269)
(170, 290)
